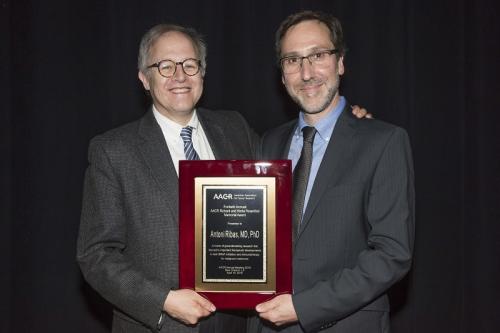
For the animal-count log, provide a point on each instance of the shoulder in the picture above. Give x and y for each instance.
(226, 122)
(283, 130)
(221, 116)
(374, 129)
(119, 140)
(117, 135)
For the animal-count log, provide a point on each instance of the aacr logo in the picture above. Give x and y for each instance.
(223, 196)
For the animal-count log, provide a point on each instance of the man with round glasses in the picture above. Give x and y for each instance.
(353, 193)
(128, 240)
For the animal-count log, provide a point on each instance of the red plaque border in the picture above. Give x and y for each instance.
(281, 171)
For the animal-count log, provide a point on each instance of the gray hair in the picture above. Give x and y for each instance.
(153, 34)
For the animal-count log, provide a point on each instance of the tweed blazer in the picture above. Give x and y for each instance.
(128, 239)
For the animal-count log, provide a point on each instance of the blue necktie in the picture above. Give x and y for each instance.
(189, 151)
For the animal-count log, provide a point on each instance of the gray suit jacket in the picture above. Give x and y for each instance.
(128, 239)
(356, 238)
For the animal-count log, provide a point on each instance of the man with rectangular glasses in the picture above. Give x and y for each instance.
(353, 204)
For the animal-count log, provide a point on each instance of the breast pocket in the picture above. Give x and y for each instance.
(344, 190)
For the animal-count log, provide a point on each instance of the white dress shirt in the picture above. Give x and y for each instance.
(172, 133)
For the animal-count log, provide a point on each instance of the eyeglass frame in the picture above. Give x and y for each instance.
(330, 52)
(176, 63)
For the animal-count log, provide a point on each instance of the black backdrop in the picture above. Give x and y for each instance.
(68, 73)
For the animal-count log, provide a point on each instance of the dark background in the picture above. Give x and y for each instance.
(68, 72)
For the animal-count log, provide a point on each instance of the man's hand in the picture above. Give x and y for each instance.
(279, 310)
(360, 112)
(187, 306)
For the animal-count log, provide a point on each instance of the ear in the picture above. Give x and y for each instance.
(144, 79)
(340, 65)
(282, 78)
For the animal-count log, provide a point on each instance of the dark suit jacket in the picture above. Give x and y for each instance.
(356, 238)
(128, 240)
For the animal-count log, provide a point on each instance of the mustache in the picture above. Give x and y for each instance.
(311, 82)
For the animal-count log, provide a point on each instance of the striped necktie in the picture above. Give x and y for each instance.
(189, 151)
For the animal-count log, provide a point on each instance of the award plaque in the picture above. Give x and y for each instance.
(235, 240)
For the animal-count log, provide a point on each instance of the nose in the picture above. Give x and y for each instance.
(179, 74)
(306, 69)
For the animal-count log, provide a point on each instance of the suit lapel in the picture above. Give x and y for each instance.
(156, 154)
(286, 140)
(335, 153)
(281, 147)
(215, 135)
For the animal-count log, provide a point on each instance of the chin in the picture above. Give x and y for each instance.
(185, 108)
(312, 109)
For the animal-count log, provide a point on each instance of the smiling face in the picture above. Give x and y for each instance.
(174, 97)
(314, 88)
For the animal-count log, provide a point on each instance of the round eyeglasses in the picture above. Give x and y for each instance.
(167, 68)
(293, 64)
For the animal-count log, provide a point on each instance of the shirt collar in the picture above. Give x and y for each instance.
(324, 127)
(172, 125)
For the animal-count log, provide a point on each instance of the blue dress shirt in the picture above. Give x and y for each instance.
(324, 133)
